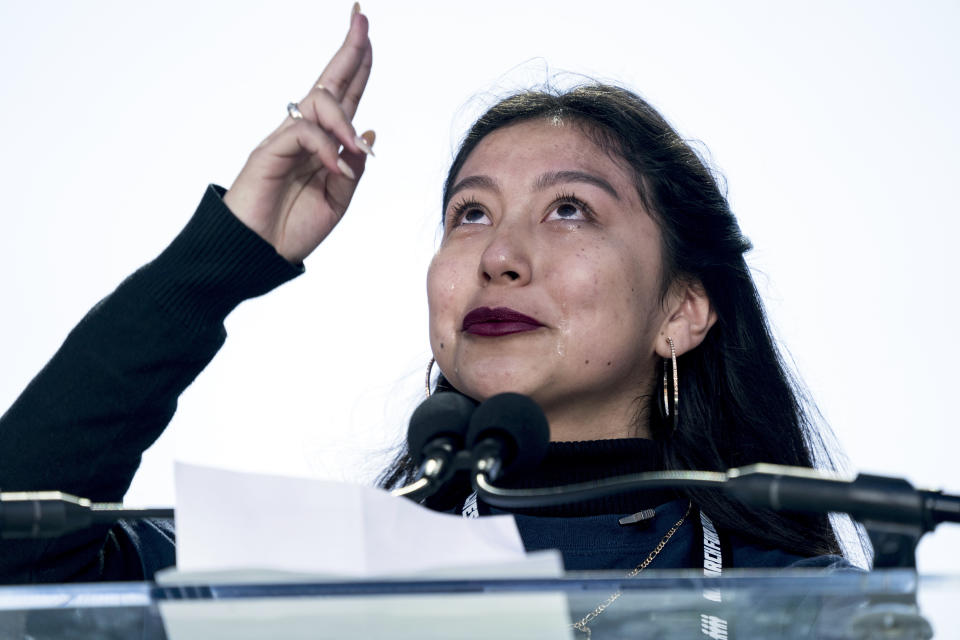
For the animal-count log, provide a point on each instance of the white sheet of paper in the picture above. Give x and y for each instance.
(230, 520)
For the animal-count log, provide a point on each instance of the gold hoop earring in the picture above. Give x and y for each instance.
(667, 411)
(429, 369)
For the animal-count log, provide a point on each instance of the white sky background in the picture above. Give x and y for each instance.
(835, 125)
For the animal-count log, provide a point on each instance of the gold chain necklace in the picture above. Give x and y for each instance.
(581, 625)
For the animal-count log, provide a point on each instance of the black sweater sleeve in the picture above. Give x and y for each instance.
(107, 394)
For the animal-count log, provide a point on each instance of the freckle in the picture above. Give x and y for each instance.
(586, 362)
(441, 345)
(609, 363)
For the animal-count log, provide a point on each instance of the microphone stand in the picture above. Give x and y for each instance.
(434, 475)
(894, 514)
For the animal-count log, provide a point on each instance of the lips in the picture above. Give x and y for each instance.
(500, 321)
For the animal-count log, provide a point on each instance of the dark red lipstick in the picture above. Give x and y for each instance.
(501, 321)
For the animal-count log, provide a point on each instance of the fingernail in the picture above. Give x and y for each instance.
(345, 169)
(356, 9)
(364, 146)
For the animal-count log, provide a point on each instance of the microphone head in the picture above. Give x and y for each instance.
(441, 415)
(518, 424)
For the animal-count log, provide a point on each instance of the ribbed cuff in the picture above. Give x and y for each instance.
(215, 263)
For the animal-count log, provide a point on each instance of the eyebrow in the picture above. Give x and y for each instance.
(544, 181)
(554, 178)
(485, 183)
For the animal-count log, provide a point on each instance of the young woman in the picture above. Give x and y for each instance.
(588, 261)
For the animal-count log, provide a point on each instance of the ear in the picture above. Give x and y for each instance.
(689, 317)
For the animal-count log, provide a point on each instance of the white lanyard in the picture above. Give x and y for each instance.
(712, 626)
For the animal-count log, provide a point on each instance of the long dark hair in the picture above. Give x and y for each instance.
(740, 404)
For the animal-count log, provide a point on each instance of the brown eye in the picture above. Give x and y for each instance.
(473, 216)
(567, 211)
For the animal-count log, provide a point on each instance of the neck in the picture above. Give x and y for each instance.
(578, 419)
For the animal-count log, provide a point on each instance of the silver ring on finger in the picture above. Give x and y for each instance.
(294, 110)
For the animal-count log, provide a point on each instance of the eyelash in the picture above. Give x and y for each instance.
(466, 204)
(461, 207)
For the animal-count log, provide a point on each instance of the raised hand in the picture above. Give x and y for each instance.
(297, 184)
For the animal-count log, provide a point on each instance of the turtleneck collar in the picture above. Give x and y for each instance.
(573, 462)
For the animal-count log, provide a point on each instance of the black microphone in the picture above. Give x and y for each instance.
(867, 498)
(508, 434)
(894, 513)
(435, 436)
(51, 514)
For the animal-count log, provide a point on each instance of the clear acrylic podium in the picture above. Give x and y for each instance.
(742, 604)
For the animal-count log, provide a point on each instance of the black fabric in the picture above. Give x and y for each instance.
(83, 423)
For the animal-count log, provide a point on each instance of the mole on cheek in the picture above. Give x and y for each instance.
(586, 362)
(609, 363)
(441, 345)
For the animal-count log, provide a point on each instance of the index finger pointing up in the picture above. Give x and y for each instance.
(350, 65)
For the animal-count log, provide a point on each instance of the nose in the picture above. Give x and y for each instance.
(506, 259)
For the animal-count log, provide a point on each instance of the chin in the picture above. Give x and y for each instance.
(480, 387)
